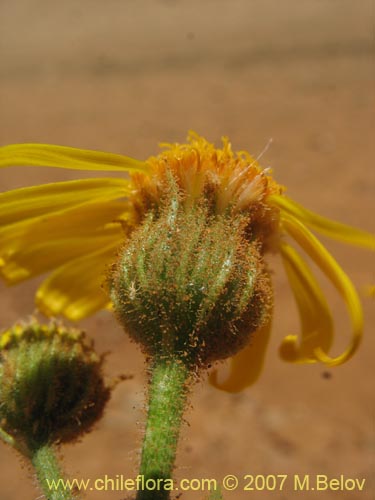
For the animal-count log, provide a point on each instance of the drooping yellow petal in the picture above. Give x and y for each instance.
(40, 257)
(26, 203)
(88, 221)
(340, 280)
(246, 366)
(77, 220)
(48, 155)
(74, 290)
(331, 228)
(316, 320)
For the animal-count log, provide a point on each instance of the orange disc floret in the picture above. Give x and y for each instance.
(228, 180)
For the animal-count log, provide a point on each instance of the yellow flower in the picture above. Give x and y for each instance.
(73, 229)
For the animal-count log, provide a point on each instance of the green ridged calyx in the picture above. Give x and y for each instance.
(51, 385)
(190, 285)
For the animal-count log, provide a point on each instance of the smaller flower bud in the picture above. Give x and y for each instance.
(51, 384)
(191, 285)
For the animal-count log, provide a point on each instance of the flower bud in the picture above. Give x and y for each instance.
(51, 384)
(191, 285)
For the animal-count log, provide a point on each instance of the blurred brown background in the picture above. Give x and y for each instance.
(122, 76)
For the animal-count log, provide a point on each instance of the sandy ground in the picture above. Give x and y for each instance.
(122, 76)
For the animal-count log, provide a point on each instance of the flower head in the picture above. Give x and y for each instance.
(73, 230)
(52, 385)
(184, 295)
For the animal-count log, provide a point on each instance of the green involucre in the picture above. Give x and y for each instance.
(51, 385)
(190, 285)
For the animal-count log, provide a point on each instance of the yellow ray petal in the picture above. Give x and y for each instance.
(25, 203)
(316, 320)
(75, 290)
(25, 247)
(340, 280)
(40, 257)
(48, 155)
(80, 220)
(246, 366)
(331, 228)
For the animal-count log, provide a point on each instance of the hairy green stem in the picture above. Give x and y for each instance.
(49, 473)
(167, 397)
